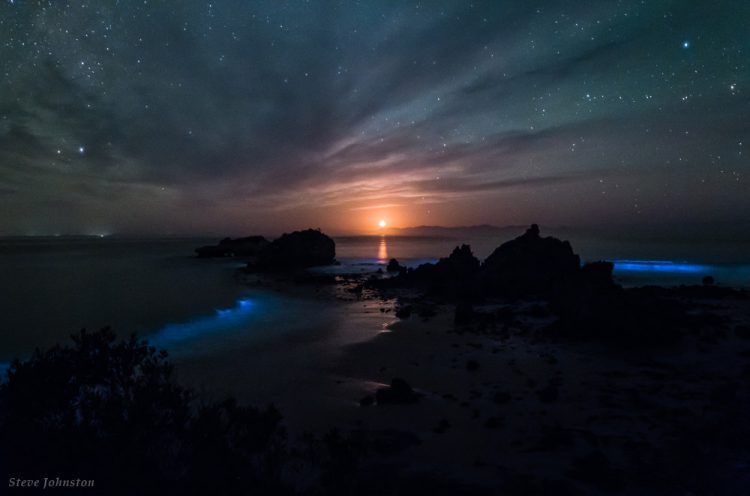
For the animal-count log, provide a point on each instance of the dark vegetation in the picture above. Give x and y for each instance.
(110, 411)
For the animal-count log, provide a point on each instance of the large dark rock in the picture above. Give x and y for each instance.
(250, 246)
(394, 266)
(453, 275)
(296, 250)
(597, 275)
(529, 265)
(399, 393)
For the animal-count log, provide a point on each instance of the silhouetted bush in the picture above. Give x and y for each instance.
(110, 411)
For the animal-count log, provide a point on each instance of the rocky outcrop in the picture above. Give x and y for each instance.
(399, 393)
(451, 275)
(249, 246)
(528, 265)
(394, 266)
(297, 250)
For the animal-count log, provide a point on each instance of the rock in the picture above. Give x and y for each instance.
(597, 274)
(297, 250)
(394, 266)
(399, 393)
(529, 265)
(708, 281)
(452, 275)
(239, 247)
(367, 401)
(404, 312)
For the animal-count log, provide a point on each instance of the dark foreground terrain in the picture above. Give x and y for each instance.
(523, 374)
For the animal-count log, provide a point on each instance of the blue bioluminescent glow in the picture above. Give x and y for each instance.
(665, 266)
(222, 320)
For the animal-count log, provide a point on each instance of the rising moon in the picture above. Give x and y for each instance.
(382, 223)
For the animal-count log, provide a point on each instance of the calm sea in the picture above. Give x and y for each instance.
(221, 332)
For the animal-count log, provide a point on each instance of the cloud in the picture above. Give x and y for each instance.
(231, 106)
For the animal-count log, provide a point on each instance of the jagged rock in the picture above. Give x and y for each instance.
(296, 250)
(399, 393)
(394, 266)
(529, 265)
(249, 246)
(450, 276)
(597, 274)
(460, 265)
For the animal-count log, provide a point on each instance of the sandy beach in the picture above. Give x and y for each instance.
(517, 409)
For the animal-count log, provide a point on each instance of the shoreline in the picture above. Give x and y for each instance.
(537, 410)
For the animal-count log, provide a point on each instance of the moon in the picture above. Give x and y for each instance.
(382, 223)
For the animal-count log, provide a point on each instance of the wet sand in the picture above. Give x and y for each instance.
(509, 407)
(513, 411)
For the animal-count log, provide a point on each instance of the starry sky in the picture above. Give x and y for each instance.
(235, 116)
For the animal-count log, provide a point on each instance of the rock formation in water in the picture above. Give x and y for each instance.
(529, 264)
(451, 276)
(296, 250)
(249, 246)
(525, 266)
(394, 266)
(399, 393)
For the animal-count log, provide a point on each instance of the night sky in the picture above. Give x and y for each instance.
(237, 117)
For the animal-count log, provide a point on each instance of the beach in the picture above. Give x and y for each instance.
(499, 401)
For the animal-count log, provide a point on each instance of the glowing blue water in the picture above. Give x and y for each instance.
(666, 266)
(222, 321)
(672, 273)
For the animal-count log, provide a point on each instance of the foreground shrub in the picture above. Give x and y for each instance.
(110, 411)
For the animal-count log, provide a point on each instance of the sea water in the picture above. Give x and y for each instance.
(222, 332)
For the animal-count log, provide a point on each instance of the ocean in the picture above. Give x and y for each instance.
(220, 332)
